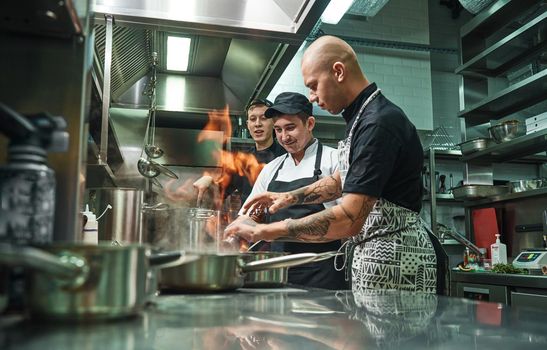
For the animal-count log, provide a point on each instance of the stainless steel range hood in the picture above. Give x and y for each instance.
(240, 49)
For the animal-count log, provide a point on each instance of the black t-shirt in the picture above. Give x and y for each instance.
(263, 156)
(386, 156)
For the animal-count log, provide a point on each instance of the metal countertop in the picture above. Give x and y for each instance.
(501, 279)
(295, 319)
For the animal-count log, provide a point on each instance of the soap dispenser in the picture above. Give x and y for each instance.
(498, 251)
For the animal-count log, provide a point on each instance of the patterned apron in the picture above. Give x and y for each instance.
(392, 250)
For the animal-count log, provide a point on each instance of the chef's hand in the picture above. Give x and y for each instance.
(273, 200)
(244, 227)
(202, 185)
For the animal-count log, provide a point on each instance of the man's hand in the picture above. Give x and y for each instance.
(202, 185)
(273, 200)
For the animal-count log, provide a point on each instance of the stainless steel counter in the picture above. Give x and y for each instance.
(501, 279)
(295, 319)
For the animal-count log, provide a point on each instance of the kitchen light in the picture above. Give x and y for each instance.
(367, 8)
(335, 10)
(178, 52)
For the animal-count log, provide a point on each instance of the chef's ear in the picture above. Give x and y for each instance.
(339, 70)
(311, 122)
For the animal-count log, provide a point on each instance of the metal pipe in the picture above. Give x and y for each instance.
(106, 89)
(465, 242)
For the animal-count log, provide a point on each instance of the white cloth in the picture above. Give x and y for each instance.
(291, 171)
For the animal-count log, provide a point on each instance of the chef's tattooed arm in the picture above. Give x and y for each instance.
(343, 220)
(321, 191)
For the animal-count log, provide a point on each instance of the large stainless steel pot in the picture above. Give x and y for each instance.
(87, 282)
(223, 272)
(124, 222)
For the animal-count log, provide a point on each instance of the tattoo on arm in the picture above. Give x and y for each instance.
(313, 227)
(364, 210)
(325, 190)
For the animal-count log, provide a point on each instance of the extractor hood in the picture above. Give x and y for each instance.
(239, 50)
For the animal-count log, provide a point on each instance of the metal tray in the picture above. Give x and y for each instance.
(478, 191)
(475, 145)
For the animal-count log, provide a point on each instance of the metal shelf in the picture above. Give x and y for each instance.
(506, 197)
(442, 197)
(452, 154)
(515, 149)
(509, 52)
(512, 99)
(490, 20)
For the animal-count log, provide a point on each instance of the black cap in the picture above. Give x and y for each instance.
(289, 103)
(259, 101)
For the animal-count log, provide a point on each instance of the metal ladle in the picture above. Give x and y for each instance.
(147, 168)
(150, 169)
(151, 149)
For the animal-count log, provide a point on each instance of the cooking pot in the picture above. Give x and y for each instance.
(123, 223)
(87, 282)
(223, 272)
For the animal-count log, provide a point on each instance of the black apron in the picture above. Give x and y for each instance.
(320, 274)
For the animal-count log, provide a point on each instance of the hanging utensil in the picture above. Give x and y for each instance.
(151, 149)
(147, 168)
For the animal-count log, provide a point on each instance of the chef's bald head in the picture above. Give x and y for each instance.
(327, 50)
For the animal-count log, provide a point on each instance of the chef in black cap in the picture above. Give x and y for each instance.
(306, 161)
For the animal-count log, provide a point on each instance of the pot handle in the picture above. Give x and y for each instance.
(279, 262)
(66, 267)
(171, 259)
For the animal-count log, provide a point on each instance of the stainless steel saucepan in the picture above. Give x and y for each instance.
(87, 282)
(224, 272)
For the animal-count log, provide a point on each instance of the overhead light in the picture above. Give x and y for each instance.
(178, 53)
(367, 8)
(335, 10)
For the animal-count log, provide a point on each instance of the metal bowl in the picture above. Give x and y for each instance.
(507, 131)
(527, 185)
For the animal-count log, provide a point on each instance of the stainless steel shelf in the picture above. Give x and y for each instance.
(512, 99)
(490, 20)
(508, 53)
(442, 197)
(241, 141)
(506, 197)
(451, 154)
(515, 149)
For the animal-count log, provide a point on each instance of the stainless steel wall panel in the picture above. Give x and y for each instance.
(52, 75)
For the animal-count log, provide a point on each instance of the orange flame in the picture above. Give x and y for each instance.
(243, 164)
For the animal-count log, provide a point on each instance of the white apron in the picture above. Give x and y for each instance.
(392, 250)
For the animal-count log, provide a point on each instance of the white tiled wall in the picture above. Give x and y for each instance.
(404, 76)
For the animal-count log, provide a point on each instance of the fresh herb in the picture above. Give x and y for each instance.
(507, 268)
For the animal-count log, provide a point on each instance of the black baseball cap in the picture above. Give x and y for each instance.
(259, 101)
(289, 103)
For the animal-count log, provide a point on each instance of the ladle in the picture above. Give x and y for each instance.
(150, 169)
(147, 168)
(151, 149)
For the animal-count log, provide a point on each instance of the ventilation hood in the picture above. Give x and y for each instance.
(239, 49)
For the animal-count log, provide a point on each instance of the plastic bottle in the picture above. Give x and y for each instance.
(498, 251)
(91, 228)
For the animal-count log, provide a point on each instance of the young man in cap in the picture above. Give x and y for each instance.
(306, 161)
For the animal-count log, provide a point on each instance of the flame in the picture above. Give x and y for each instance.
(240, 163)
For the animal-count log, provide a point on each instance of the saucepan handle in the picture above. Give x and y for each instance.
(170, 259)
(67, 267)
(279, 262)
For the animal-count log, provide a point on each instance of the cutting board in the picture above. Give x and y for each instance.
(485, 227)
